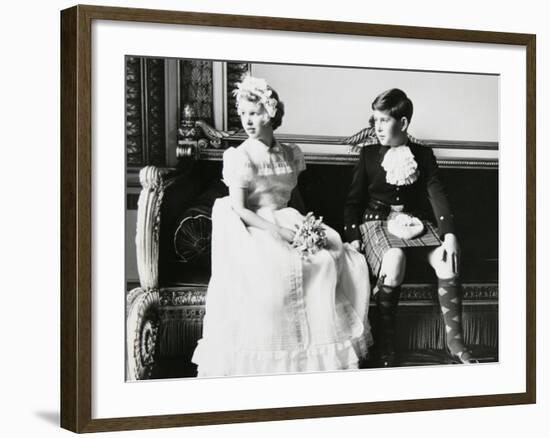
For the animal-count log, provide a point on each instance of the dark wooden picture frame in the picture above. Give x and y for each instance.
(76, 218)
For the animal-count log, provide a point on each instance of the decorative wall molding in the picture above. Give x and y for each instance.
(347, 159)
(341, 141)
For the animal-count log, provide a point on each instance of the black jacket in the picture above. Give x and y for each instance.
(425, 198)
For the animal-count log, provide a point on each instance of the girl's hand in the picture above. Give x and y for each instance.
(286, 234)
(450, 251)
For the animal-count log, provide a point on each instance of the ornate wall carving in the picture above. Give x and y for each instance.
(145, 111)
(196, 88)
(134, 133)
(155, 112)
(235, 72)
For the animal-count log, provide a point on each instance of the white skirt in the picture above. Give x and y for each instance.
(268, 311)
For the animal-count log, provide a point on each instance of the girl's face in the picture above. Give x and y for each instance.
(254, 119)
(390, 131)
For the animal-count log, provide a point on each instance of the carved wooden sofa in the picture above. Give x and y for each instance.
(164, 314)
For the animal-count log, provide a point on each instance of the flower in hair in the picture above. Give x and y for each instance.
(257, 88)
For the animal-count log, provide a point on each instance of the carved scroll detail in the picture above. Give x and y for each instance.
(142, 325)
(148, 222)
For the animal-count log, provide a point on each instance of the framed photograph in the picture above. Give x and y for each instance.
(268, 218)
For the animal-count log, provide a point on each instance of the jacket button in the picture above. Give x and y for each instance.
(442, 217)
(397, 198)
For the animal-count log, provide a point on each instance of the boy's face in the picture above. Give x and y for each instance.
(390, 131)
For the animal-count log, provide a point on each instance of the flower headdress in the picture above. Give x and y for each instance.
(257, 88)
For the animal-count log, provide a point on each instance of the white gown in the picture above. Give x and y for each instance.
(267, 309)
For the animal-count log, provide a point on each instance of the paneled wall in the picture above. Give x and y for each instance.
(337, 101)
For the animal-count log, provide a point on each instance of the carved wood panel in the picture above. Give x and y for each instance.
(196, 88)
(134, 132)
(145, 111)
(155, 112)
(235, 72)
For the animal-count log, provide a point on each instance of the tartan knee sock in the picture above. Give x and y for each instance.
(387, 299)
(450, 300)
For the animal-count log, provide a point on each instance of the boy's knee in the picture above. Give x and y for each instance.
(444, 271)
(393, 267)
(446, 274)
(443, 268)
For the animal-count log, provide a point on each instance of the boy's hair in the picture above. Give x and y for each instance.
(395, 102)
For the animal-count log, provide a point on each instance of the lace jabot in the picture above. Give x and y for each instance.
(400, 166)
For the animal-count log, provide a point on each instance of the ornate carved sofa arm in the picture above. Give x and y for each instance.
(142, 321)
(144, 316)
(148, 222)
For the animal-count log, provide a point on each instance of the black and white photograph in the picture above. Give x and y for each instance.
(275, 219)
(289, 218)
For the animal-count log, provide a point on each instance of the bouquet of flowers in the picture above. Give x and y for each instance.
(310, 236)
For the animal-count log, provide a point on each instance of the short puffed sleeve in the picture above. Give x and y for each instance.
(237, 168)
(298, 160)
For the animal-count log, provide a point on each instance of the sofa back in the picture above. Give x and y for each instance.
(472, 191)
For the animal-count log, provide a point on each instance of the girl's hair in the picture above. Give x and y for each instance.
(395, 102)
(257, 91)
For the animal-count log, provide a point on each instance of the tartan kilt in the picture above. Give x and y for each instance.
(377, 240)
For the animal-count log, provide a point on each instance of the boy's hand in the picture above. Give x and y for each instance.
(450, 251)
(356, 245)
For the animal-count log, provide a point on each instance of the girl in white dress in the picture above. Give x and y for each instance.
(268, 309)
